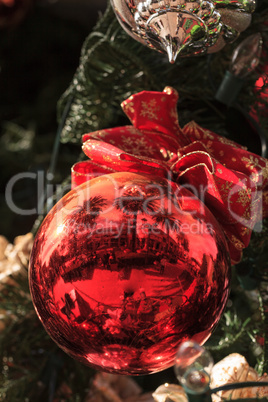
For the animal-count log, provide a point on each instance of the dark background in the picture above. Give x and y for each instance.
(39, 53)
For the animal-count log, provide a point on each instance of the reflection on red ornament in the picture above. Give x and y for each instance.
(124, 268)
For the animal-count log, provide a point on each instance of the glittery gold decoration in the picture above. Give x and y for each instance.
(232, 369)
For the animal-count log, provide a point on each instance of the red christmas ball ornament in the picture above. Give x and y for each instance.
(124, 268)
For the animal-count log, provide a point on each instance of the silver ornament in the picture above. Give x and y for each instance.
(184, 27)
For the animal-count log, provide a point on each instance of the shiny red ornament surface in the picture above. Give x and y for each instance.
(232, 182)
(124, 268)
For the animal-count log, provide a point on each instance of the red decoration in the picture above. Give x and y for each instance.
(261, 90)
(130, 264)
(231, 181)
(127, 266)
(260, 109)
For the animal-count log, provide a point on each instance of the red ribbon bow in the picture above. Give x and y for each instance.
(232, 182)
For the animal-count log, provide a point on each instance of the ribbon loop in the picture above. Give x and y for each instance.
(232, 182)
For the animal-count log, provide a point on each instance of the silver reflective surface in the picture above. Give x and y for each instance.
(181, 27)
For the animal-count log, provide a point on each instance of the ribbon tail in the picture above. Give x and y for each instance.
(231, 196)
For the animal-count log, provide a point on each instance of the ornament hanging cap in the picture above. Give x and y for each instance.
(184, 27)
(175, 32)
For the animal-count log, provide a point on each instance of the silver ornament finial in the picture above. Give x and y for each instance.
(172, 52)
(184, 27)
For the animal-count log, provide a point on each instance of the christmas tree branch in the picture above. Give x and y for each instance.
(113, 66)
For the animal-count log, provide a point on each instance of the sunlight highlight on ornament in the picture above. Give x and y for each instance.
(60, 229)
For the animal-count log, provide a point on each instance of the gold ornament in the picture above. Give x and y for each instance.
(232, 369)
(184, 27)
(116, 388)
(14, 260)
(14, 257)
(170, 392)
